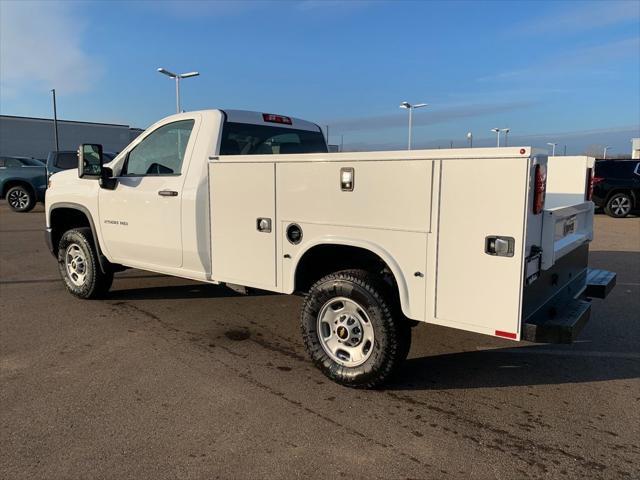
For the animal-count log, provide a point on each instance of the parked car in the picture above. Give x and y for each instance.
(616, 186)
(58, 161)
(372, 239)
(23, 181)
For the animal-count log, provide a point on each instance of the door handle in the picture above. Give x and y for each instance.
(168, 193)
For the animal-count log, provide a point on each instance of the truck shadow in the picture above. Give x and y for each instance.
(509, 367)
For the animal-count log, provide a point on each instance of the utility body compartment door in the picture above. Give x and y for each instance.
(243, 249)
(479, 260)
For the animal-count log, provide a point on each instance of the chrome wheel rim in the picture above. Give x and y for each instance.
(18, 199)
(345, 332)
(76, 264)
(621, 205)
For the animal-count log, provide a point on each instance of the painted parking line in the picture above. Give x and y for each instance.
(565, 353)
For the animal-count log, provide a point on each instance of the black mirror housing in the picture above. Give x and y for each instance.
(90, 160)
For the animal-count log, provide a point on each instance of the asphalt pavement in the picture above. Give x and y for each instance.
(168, 378)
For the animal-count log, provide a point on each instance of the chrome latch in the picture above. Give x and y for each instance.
(499, 246)
(263, 225)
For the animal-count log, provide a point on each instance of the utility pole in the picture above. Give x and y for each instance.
(327, 127)
(565, 150)
(55, 119)
(341, 143)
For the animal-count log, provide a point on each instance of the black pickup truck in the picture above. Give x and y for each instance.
(616, 186)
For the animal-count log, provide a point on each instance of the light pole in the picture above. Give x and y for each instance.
(506, 136)
(410, 107)
(55, 119)
(177, 76)
(497, 131)
(553, 148)
(604, 156)
(470, 138)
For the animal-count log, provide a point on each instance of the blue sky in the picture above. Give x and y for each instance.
(566, 72)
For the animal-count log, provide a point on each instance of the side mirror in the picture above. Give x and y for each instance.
(90, 165)
(90, 160)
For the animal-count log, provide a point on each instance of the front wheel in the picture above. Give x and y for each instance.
(79, 267)
(21, 199)
(618, 206)
(352, 329)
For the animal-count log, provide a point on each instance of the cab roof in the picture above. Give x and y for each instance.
(269, 119)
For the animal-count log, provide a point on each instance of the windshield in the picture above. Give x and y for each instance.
(249, 139)
(32, 162)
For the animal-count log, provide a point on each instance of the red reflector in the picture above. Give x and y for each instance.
(522, 151)
(270, 117)
(540, 189)
(589, 193)
(500, 333)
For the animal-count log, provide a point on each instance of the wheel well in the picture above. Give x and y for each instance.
(63, 219)
(15, 183)
(322, 260)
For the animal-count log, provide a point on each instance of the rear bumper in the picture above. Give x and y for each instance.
(561, 319)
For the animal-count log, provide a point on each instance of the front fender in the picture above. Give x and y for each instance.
(104, 262)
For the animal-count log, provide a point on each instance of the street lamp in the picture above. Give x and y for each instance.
(470, 138)
(506, 135)
(177, 76)
(497, 131)
(605, 152)
(410, 107)
(553, 148)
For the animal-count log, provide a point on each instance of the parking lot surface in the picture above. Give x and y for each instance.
(168, 378)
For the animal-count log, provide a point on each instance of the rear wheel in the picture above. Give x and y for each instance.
(79, 267)
(21, 199)
(352, 329)
(618, 206)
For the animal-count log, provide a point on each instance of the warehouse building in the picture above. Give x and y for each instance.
(35, 137)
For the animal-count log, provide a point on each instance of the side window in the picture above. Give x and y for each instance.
(13, 162)
(67, 160)
(2, 162)
(161, 153)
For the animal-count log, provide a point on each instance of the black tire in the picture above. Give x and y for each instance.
(21, 199)
(94, 283)
(392, 332)
(619, 205)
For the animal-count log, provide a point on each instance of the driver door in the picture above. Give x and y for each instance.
(141, 217)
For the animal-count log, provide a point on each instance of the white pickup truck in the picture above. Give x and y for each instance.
(376, 241)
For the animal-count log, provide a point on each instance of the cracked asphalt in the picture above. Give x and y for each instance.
(168, 378)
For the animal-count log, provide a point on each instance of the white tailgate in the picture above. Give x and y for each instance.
(564, 229)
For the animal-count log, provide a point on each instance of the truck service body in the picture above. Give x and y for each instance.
(458, 237)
